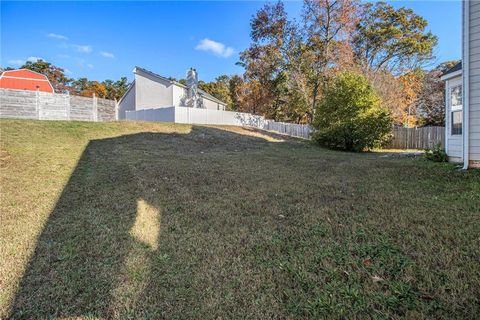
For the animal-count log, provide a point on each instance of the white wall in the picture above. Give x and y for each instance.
(166, 114)
(196, 116)
(218, 117)
(152, 92)
(474, 109)
(178, 94)
(127, 102)
(212, 105)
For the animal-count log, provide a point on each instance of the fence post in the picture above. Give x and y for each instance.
(94, 108)
(68, 107)
(37, 103)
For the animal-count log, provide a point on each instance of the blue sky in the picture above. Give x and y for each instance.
(105, 40)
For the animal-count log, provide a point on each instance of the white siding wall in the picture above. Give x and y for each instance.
(152, 92)
(127, 103)
(474, 114)
(454, 142)
(212, 105)
(178, 94)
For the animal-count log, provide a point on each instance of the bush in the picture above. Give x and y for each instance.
(350, 116)
(437, 154)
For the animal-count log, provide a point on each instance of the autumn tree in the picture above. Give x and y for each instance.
(55, 75)
(412, 84)
(115, 89)
(85, 88)
(431, 100)
(264, 61)
(219, 89)
(328, 26)
(234, 84)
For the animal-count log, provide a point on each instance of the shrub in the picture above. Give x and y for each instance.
(350, 116)
(437, 154)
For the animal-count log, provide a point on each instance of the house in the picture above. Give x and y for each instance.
(462, 84)
(152, 91)
(24, 79)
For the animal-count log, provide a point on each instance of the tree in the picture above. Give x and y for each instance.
(395, 40)
(55, 75)
(85, 88)
(115, 89)
(264, 61)
(431, 100)
(350, 116)
(219, 89)
(328, 25)
(412, 83)
(234, 85)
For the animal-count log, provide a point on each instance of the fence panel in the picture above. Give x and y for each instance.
(24, 104)
(291, 129)
(416, 138)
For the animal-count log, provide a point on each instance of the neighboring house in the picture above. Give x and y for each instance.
(462, 84)
(151, 91)
(24, 79)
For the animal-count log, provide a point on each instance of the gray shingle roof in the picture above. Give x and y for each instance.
(453, 69)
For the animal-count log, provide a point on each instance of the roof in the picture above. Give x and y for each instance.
(202, 92)
(24, 79)
(454, 71)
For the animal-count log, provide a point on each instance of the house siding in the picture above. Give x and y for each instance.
(179, 93)
(474, 81)
(127, 103)
(152, 92)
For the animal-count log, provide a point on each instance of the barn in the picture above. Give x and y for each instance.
(24, 79)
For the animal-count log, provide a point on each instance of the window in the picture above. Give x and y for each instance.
(457, 117)
(456, 108)
(456, 97)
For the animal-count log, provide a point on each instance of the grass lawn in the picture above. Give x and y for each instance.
(143, 220)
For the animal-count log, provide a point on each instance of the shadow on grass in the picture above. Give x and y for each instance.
(100, 252)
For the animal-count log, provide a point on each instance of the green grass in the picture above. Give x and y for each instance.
(142, 220)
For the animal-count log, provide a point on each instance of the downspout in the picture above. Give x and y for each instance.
(466, 82)
(447, 115)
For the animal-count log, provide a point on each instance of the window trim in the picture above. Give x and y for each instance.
(452, 123)
(460, 106)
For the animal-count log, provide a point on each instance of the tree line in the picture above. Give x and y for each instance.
(108, 89)
(290, 63)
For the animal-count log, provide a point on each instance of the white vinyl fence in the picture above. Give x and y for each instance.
(196, 116)
(218, 117)
(291, 129)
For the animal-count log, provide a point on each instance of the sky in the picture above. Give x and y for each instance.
(106, 40)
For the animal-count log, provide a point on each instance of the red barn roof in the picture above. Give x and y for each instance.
(24, 79)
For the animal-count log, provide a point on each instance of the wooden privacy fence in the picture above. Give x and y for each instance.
(402, 138)
(416, 138)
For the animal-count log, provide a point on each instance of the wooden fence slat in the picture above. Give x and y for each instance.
(416, 138)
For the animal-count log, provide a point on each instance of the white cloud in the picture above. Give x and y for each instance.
(57, 36)
(67, 72)
(82, 48)
(34, 59)
(19, 62)
(107, 54)
(16, 62)
(90, 65)
(217, 48)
